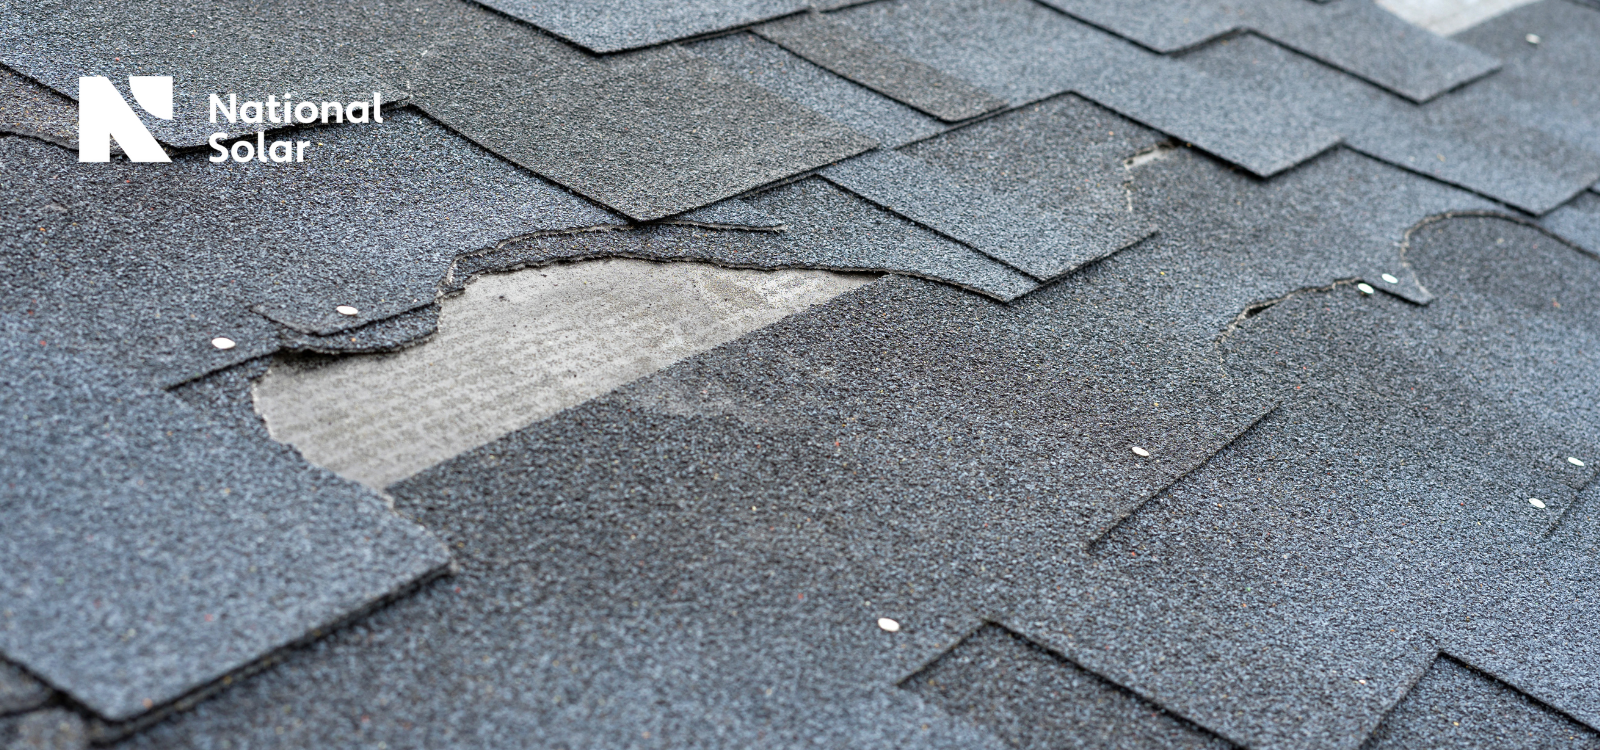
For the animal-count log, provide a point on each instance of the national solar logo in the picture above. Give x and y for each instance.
(104, 115)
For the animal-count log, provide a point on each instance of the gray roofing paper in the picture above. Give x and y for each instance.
(1355, 36)
(222, 250)
(1457, 139)
(1026, 52)
(1038, 243)
(150, 551)
(664, 556)
(846, 52)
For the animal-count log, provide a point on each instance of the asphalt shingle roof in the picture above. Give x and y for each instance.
(1232, 382)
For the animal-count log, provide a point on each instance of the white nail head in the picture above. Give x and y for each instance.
(1364, 288)
(222, 342)
(1533, 39)
(1142, 453)
(1536, 502)
(888, 625)
(1574, 461)
(1389, 278)
(347, 310)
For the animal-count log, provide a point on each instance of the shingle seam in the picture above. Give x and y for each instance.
(1096, 542)
(1554, 706)
(1050, 642)
(103, 732)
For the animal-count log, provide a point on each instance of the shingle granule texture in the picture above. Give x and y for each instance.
(150, 550)
(1454, 705)
(145, 264)
(1025, 52)
(847, 53)
(1355, 36)
(1035, 700)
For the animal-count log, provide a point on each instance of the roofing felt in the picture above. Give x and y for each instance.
(1355, 36)
(665, 556)
(1336, 492)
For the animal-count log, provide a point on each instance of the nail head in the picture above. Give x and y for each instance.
(222, 342)
(1574, 461)
(888, 625)
(1533, 38)
(1364, 288)
(347, 310)
(1536, 502)
(1137, 451)
(1389, 278)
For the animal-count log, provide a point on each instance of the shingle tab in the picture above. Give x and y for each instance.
(1037, 243)
(1454, 705)
(26, 108)
(148, 552)
(1026, 53)
(221, 246)
(674, 132)
(788, 75)
(616, 25)
(1355, 36)
(825, 227)
(1460, 140)
(846, 52)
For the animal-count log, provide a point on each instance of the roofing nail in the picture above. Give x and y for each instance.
(1574, 461)
(222, 342)
(888, 625)
(347, 310)
(1536, 502)
(1532, 38)
(1364, 288)
(1137, 451)
(1389, 278)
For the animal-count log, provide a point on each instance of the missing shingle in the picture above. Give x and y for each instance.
(1031, 697)
(516, 348)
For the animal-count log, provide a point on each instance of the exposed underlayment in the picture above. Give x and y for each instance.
(516, 348)
(1446, 17)
(1266, 418)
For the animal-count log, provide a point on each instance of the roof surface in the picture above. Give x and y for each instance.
(1232, 379)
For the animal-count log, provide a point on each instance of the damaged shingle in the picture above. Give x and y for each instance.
(150, 551)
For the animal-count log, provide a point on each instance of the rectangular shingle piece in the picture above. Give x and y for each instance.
(617, 25)
(848, 53)
(649, 134)
(149, 551)
(1039, 244)
(1355, 36)
(1026, 52)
